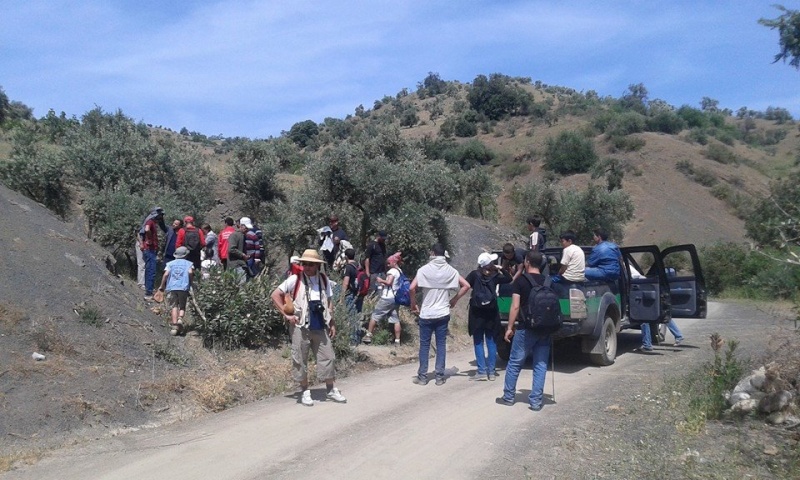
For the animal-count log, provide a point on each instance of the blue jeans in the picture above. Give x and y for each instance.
(150, 259)
(354, 305)
(523, 343)
(647, 342)
(427, 327)
(485, 365)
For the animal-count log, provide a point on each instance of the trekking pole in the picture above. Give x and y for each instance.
(553, 366)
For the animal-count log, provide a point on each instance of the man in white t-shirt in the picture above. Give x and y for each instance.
(386, 308)
(310, 318)
(573, 260)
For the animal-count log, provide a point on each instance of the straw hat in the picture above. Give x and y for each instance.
(312, 256)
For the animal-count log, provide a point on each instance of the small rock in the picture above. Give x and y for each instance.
(613, 408)
(752, 382)
(38, 356)
(770, 450)
(737, 397)
(776, 418)
(775, 401)
(791, 421)
(745, 406)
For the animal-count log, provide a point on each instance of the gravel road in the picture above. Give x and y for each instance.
(391, 428)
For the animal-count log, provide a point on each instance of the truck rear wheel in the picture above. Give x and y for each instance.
(608, 338)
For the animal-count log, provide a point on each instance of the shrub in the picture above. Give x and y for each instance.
(569, 153)
(468, 155)
(698, 135)
(38, 173)
(498, 96)
(236, 316)
(704, 177)
(626, 144)
(720, 153)
(665, 122)
(515, 169)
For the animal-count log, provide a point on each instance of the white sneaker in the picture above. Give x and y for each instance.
(306, 399)
(336, 395)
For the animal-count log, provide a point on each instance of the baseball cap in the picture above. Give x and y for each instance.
(485, 259)
(246, 222)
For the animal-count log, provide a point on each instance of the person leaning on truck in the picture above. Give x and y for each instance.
(603, 263)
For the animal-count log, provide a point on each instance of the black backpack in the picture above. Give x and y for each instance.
(191, 239)
(483, 297)
(542, 313)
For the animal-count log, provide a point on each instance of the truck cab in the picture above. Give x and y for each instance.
(654, 286)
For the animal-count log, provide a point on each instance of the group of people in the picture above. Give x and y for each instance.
(306, 299)
(188, 250)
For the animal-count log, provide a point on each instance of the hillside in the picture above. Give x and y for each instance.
(110, 363)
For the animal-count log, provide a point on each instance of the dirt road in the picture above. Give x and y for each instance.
(391, 428)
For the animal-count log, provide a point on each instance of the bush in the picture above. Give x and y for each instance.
(236, 316)
(665, 122)
(468, 155)
(569, 153)
(720, 153)
(704, 177)
(38, 173)
(498, 96)
(626, 144)
(512, 170)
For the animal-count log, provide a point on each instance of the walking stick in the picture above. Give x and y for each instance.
(553, 366)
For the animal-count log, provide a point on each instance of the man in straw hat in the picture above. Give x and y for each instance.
(177, 280)
(305, 302)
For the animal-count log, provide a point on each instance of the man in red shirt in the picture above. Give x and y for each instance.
(193, 239)
(148, 244)
(224, 235)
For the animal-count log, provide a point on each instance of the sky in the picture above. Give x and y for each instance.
(255, 68)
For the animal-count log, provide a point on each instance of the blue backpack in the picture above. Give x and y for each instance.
(403, 294)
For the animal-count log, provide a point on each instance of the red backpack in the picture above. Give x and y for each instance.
(362, 282)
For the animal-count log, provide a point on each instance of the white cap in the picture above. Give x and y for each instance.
(246, 222)
(485, 259)
(295, 259)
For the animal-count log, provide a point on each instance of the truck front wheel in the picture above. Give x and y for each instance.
(608, 338)
(503, 347)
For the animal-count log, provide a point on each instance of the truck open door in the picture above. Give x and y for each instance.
(686, 283)
(647, 290)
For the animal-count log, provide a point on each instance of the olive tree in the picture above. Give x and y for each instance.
(788, 26)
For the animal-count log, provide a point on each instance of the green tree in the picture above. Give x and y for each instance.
(775, 220)
(37, 171)
(562, 209)
(788, 26)
(381, 182)
(303, 132)
(635, 98)
(5, 105)
(498, 96)
(431, 86)
(254, 175)
(480, 193)
(569, 153)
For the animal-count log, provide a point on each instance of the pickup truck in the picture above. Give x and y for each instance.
(655, 286)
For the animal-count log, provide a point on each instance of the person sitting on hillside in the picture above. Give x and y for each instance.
(603, 263)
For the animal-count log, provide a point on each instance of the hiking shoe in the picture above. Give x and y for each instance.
(174, 330)
(535, 408)
(440, 381)
(148, 298)
(367, 338)
(678, 342)
(503, 401)
(492, 377)
(420, 380)
(336, 396)
(396, 342)
(643, 350)
(306, 399)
